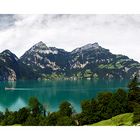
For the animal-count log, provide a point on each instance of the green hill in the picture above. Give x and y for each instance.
(119, 120)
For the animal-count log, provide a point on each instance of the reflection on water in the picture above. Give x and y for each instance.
(52, 93)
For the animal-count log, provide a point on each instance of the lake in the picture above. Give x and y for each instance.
(52, 93)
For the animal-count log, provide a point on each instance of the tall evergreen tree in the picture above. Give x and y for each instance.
(35, 106)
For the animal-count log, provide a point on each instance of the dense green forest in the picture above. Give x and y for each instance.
(105, 106)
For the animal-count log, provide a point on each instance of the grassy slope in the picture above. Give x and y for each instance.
(123, 119)
(17, 125)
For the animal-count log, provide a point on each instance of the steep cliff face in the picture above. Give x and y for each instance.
(8, 74)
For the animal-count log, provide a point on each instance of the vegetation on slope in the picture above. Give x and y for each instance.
(119, 120)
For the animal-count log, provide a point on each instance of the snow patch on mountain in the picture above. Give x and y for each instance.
(41, 48)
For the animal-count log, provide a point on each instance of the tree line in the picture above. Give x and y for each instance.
(104, 106)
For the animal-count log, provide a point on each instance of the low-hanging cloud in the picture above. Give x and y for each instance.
(119, 33)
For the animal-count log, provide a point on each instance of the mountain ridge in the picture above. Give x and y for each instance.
(90, 61)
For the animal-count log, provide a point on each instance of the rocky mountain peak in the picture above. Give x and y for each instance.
(42, 48)
(8, 53)
(91, 46)
(87, 47)
(39, 46)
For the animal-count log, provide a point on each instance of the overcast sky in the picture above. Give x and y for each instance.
(119, 33)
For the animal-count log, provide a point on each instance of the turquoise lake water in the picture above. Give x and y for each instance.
(15, 95)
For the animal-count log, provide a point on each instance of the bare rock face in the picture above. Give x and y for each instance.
(8, 75)
(12, 75)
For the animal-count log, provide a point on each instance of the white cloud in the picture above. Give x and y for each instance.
(119, 33)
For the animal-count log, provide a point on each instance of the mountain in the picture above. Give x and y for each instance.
(93, 61)
(43, 60)
(9, 67)
(87, 62)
